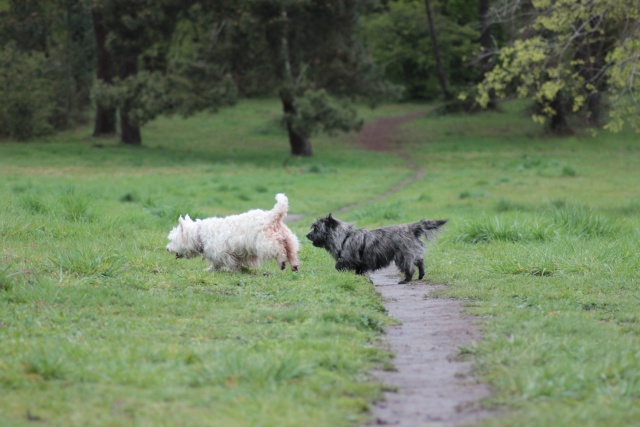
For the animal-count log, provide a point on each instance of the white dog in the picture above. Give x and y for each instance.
(246, 239)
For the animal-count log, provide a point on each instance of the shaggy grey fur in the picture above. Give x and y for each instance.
(363, 250)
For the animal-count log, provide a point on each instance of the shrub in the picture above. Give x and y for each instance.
(27, 101)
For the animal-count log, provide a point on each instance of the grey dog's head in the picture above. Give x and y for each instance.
(325, 230)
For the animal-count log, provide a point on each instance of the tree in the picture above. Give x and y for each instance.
(131, 28)
(27, 24)
(567, 55)
(485, 45)
(442, 78)
(27, 94)
(154, 70)
(105, 117)
(307, 53)
(401, 44)
(59, 32)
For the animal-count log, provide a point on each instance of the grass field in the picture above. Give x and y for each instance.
(100, 326)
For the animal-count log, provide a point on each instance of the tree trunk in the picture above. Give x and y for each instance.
(593, 54)
(436, 52)
(559, 124)
(485, 34)
(300, 144)
(105, 119)
(594, 108)
(485, 45)
(130, 131)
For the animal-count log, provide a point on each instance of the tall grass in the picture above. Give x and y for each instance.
(555, 223)
(487, 230)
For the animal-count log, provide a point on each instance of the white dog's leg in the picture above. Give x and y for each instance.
(291, 249)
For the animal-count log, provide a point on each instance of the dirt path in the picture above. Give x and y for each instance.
(383, 135)
(431, 388)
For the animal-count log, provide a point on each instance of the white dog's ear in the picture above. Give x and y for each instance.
(182, 222)
(187, 217)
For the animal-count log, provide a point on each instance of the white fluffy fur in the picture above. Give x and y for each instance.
(246, 239)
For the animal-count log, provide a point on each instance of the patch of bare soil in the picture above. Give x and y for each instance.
(431, 386)
(384, 135)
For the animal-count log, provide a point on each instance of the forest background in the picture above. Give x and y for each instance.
(68, 61)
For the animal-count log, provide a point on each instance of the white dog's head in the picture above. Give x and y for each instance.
(184, 241)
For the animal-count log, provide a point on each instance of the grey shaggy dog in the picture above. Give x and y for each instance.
(363, 250)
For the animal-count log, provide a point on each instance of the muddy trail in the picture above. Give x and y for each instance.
(384, 135)
(430, 385)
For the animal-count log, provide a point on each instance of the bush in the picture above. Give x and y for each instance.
(27, 101)
(400, 43)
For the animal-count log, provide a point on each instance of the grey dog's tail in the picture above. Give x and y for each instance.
(427, 227)
(281, 207)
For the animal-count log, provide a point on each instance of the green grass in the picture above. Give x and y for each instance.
(547, 259)
(100, 326)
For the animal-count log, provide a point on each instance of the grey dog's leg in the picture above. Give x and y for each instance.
(408, 269)
(420, 265)
(406, 266)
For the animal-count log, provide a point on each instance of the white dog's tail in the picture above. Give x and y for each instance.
(281, 207)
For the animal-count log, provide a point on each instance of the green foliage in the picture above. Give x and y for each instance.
(317, 111)
(61, 32)
(27, 95)
(568, 54)
(25, 23)
(400, 43)
(307, 52)
(621, 77)
(149, 94)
